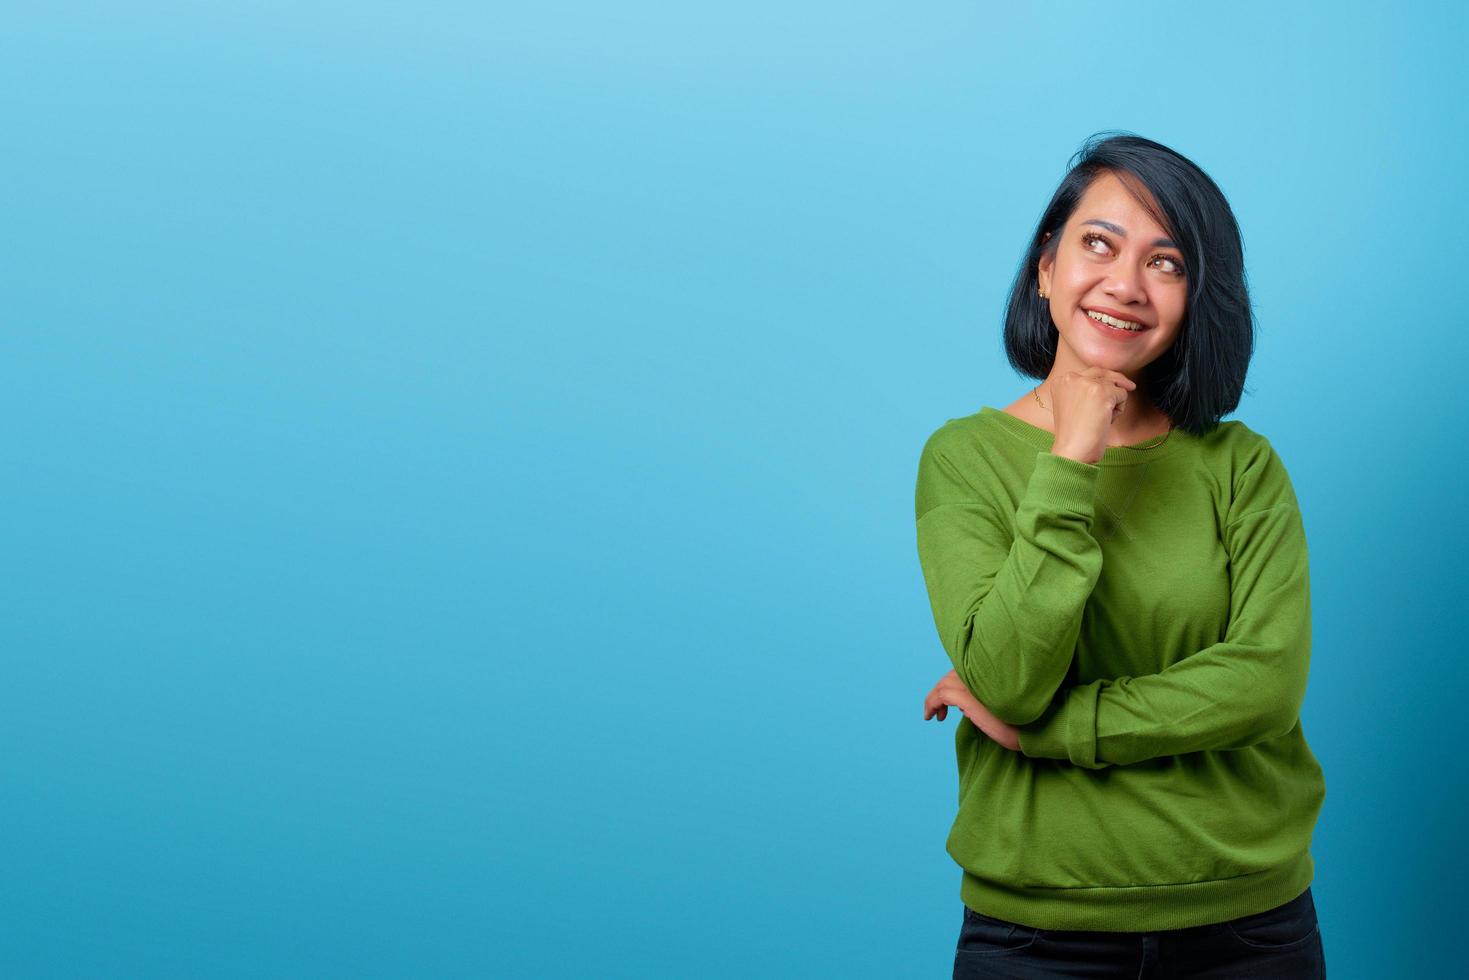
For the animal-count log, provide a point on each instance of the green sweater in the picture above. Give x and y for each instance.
(1145, 622)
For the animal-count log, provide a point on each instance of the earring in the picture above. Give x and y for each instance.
(1040, 293)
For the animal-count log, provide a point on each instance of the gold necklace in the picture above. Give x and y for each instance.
(1036, 391)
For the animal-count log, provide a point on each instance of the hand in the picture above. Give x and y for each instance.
(951, 690)
(1085, 404)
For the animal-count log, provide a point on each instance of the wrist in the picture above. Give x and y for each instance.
(1070, 453)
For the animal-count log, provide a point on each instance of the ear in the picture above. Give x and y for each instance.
(1044, 267)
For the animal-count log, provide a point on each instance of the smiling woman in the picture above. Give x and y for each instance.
(1137, 233)
(1136, 794)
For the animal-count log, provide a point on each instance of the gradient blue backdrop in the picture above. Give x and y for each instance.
(458, 463)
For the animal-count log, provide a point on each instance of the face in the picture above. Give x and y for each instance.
(1113, 258)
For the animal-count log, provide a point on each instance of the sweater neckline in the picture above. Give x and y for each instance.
(1042, 439)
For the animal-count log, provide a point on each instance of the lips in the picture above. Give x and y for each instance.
(1116, 315)
(1113, 333)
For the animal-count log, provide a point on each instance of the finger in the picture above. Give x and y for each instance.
(943, 712)
(931, 706)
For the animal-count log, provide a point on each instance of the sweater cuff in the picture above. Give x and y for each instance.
(1069, 732)
(1065, 484)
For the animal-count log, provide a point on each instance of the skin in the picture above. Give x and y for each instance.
(1092, 391)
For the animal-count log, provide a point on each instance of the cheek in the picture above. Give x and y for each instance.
(1165, 338)
(1175, 314)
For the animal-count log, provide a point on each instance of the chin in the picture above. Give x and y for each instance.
(1109, 358)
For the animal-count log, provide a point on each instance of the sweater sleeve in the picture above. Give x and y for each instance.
(1245, 689)
(1007, 606)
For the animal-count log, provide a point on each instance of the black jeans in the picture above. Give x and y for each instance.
(1283, 942)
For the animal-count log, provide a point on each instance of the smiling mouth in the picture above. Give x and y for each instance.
(1129, 326)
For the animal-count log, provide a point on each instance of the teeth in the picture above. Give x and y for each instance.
(1112, 321)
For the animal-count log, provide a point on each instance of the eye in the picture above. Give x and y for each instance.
(1177, 266)
(1091, 236)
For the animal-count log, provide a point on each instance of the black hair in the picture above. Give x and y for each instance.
(1201, 376)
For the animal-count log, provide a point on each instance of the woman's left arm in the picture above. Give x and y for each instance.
(1243, 690)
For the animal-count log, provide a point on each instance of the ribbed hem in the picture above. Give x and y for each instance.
(1140, 908)
(1063, 483)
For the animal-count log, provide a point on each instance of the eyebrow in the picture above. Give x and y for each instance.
(1119, 230)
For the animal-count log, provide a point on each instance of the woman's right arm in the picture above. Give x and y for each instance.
(1007, 607)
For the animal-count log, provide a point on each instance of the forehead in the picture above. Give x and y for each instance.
(1110, 200)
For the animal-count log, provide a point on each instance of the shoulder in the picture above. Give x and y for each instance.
(953, 465)
(971, 443)
(1235, 436)
(1257, 476)
(1234, 447)
(956, 436)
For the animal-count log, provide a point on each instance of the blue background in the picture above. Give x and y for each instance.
(458, 463)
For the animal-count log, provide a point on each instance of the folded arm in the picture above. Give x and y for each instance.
(1243, 690)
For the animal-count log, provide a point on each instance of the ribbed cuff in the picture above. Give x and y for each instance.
(1043, 739)
(1063, 483)
(1068, 732)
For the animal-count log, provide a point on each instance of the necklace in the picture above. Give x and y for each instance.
(1036, 391)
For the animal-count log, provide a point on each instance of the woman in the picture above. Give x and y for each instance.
(1120, 581)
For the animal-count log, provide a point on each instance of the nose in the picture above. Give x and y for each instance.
(1126, 285)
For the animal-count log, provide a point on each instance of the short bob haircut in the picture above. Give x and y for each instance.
(1200, 377)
